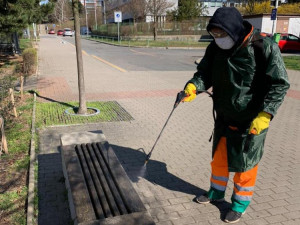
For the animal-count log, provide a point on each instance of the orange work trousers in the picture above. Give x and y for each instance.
(244, 182)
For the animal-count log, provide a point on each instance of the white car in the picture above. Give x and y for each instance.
(68, 32)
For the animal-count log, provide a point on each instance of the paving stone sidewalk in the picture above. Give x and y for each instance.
(179, 168)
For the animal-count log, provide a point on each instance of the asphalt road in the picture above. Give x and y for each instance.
(142, 59)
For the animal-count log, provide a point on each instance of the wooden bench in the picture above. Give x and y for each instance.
(99, 190)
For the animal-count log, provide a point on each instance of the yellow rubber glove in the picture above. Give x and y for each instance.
(260, 123)
(190, 90)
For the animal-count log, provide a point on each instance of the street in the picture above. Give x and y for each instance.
(142, 59)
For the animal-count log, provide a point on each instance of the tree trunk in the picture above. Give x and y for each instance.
(154, 29)
(81, 87)
(12, 99)
(3, 138)
(22, 86)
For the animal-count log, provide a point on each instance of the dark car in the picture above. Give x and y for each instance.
(51, 31)
(289, 43)
(60, 32)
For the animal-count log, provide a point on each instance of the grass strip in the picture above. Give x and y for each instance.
(151, 43)
(14, 165)
(12, 203)
(292, 62)
(53, 113)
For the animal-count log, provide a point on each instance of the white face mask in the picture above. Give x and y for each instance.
(225, 42)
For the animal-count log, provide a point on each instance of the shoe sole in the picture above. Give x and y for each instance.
(232, 221)
(219, 200)
(235, 220)
(202, 202)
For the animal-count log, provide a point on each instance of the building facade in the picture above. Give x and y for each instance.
(283, 24)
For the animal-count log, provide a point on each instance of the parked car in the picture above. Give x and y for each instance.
(60, 32)
(84, 30)
(51, 31)
(289, 43)
(68, 32)
(206, 38)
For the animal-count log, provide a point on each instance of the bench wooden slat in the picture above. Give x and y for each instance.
(80, 196)
(101, 177)
(111, 182)
(127, 192)
(98, 187)
(95, 200)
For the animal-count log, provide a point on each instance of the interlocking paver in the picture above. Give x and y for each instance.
(179, 168)
(256, 222)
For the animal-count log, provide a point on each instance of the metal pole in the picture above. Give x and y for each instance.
(86, 22)
(118, 32)
(96, 13)
(104, 12)
(275, 21)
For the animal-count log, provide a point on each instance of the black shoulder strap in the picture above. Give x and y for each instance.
(261, 81)
(259, 54)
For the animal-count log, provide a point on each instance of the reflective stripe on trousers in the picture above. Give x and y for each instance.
(244, 182)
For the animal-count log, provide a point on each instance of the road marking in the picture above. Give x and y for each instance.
(142, 53)
(84, 52)
(110, 64)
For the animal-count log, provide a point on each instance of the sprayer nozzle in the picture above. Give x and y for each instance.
(147, 158)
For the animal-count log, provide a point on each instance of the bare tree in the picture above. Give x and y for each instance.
(136, 8)
(157, 8)
(62, 11)
(82, 100)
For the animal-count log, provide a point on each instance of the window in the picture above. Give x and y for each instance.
(293, 38)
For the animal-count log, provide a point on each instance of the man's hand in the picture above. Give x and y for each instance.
(260, 123)
(190, 91)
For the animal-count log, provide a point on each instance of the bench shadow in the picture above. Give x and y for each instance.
(157, 173)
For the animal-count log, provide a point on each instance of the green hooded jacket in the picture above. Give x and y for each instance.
(242, 87)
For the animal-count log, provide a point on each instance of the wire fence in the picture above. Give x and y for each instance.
(149, 42)
(163, 29)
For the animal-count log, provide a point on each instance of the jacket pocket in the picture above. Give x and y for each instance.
(244, 151)
(255, 149)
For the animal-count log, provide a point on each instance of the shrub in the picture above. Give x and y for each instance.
(5, 103)
(29, 60)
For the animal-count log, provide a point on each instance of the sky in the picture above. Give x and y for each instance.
(44, 1)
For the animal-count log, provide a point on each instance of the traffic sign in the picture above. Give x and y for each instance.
(274, 14)
(118, 17)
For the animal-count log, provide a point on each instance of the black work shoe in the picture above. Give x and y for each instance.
(203, 199)
(233, 216)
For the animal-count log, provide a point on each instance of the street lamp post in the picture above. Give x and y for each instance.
(275, 21)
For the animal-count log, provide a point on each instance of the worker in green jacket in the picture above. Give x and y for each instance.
(249, 81)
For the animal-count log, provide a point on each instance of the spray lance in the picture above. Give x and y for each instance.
(180, 96)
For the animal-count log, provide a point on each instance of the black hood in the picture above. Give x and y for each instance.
(230, 20)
